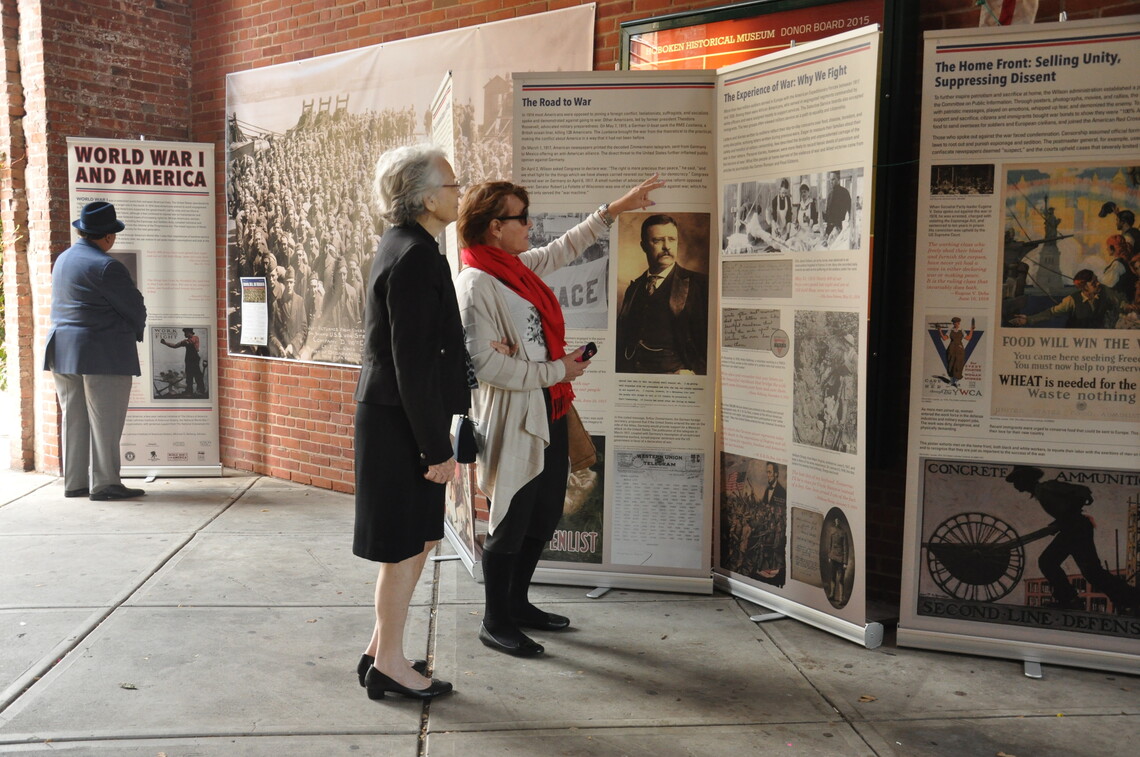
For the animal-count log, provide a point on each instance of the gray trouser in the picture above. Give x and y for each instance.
(94, 412)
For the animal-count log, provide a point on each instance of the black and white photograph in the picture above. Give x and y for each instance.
(302, 142)
(970, 179)
(837, 558)
(800, 213)
(825, 386)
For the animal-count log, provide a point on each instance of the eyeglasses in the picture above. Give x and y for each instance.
(452, 186)
(522, 218)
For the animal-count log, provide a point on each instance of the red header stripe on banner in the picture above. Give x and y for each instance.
(606, 87)
(119, 189)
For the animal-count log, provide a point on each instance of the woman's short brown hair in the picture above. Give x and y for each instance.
(482, 204)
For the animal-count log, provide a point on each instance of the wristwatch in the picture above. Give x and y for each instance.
(604, 214)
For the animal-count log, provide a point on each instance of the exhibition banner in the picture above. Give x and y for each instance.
(779, 232)
(164, 193)
(641, 516)
(302, 141)
(795, 172)
(1023, 496)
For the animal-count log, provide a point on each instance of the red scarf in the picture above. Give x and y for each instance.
(525, 283)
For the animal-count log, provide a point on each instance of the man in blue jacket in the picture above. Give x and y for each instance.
(97, 316)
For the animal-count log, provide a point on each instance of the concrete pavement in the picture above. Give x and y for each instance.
(225, 616)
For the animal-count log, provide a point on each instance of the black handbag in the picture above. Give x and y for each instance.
(463, 444)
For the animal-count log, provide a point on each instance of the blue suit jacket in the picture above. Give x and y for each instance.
(97, 314)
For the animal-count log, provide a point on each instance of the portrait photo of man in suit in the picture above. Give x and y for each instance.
(662, 325)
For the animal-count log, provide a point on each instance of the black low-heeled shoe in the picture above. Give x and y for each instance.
(550, 622)
(376, 684)
(366, 660)
(522, 647)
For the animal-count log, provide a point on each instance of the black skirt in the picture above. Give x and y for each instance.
(397, 510)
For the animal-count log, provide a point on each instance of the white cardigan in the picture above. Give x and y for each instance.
(512, 428)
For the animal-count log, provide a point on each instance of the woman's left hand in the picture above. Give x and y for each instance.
(638, 197)
(505, 348)
(441, 473)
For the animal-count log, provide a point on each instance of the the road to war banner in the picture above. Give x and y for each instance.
(1022, 514)
(164, 193)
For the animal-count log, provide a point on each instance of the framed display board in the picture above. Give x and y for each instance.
(717, 37)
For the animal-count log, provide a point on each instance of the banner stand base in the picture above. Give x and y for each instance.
(869, 635)
(461, 551)
(1033, 669)
(1026, 651)
(601, 591)
(152, 472)
(764, 617)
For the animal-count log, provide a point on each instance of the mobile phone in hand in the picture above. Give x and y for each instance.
(588, 351)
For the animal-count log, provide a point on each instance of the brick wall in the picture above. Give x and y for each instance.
(114, 69)
(14, 222)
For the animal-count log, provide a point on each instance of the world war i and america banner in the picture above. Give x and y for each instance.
(164, 193)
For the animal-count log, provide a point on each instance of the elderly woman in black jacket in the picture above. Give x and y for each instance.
(412, 380)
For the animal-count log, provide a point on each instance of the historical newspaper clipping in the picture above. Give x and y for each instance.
(1024, 503)
(164, 193)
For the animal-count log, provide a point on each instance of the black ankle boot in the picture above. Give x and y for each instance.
(523, 612)
(499, 630)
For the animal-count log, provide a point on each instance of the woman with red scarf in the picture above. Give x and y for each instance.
(524, 392)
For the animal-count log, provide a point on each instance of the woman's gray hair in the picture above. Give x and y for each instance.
(404, 176)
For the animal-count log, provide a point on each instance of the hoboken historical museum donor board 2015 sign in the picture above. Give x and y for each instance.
(719, 37)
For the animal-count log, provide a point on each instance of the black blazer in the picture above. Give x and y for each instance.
(413, 352)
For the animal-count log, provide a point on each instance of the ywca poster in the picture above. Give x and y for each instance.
(1026, 349)
(164, 193)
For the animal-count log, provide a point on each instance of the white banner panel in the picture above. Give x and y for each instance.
(796, 161)
(1023, 506)
(164, 193)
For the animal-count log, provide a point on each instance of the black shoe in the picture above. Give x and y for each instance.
(542, 621)
(523, 646)
(116, 491)
(77, 492)
(366, 660)
(377, 683)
